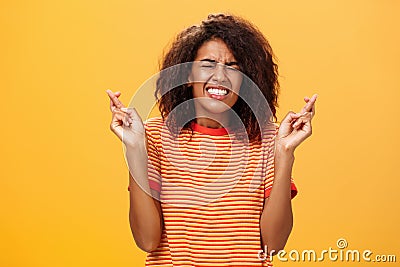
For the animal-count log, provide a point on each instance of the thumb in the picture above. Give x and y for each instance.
(132, 113)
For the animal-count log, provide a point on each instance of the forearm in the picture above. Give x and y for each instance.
(277, 217)
(145, 211)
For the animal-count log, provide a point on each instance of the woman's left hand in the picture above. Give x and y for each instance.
(296, 127)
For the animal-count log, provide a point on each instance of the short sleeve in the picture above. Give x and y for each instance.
(154, 163)
(270, 169)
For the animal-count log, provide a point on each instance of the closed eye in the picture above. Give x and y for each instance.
(230, 68)
(208, 64)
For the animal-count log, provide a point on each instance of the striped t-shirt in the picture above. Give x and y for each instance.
(212, 188)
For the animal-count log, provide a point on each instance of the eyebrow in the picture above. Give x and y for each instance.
(214, 61)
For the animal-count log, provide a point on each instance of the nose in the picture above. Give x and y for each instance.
(219, 73)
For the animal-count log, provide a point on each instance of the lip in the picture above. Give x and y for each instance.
(218, 97)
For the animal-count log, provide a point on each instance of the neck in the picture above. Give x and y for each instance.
(210, 119)
(211, 123)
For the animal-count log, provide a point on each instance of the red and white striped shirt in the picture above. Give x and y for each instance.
(212, 188)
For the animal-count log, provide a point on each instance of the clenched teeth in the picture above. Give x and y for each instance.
(215, 91)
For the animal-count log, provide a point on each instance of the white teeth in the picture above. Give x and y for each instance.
(215, 91)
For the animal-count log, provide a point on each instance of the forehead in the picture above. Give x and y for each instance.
(215, 49)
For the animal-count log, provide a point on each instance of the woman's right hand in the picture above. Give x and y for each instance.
(126, 122)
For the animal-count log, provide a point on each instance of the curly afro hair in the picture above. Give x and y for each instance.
(255, 59)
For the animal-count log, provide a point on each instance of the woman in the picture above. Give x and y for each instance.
(211, 180)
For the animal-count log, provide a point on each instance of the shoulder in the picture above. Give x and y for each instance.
(270, 131)
(153, 126)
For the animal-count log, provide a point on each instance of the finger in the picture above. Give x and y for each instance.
(122, 118)
(133, 113)
(136, 115)
(127, 110)
(298, 124)
(117, 119)
(112, 106)
(313, 110)
(114, 99)
(290, 117)
(302, 119)
(305, 127)
(310, 103)
(130, 113)
(313, 106)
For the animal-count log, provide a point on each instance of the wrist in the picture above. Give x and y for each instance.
(284, 151)
(135, 145)
(135, 149)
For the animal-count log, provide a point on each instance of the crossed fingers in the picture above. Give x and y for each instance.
(309, 106)
(114, 101)
(307, 112)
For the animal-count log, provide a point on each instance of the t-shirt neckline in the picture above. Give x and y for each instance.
(206, 130)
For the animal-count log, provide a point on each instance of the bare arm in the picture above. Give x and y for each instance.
(277, 218)
(145, 214)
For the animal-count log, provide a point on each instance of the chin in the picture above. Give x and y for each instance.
(212, 106)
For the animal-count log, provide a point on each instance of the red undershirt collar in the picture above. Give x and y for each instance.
(206, 130)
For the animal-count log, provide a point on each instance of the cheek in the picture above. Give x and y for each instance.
(197, 90)
(236, 84)
(234, 99)
(198, 76)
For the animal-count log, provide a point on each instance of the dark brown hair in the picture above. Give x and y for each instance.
(255, 59)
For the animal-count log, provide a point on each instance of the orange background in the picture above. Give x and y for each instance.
(64, 198)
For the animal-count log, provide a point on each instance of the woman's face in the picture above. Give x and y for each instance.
(215, 77)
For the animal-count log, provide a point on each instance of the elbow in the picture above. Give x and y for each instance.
(148, 245)
(272, 247)
(276, 238)
(147, 236)
(274, 250)
(274, 244)
(147, 241)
